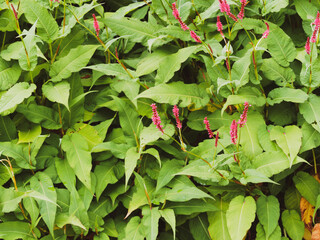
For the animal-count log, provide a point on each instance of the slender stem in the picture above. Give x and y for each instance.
(4, 40)
(60, 119)
(314, 162)
(50, 48)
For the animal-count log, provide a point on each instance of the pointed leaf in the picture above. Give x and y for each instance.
(308, 187)
(278, 95)
(57, 92)
(150, 222)
(293, 225)
(168, 215)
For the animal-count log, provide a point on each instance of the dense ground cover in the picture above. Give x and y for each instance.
(162, 119)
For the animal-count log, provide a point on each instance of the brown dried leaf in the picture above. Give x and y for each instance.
(316, 232)
(306, 212)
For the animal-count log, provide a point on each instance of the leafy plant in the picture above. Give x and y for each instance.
(159, 119)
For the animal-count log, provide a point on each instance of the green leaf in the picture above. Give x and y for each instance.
(305, 79)
(292, 199)
(273, 71)
(89, 133)
(172, 93)
(240, 215)
(107, 173)
(307, 186)
(167, 172)
(278, 95)
(240, 69)
(199, 227)
(64, 219)
(274, 6)
(261, 235)
(112, 69)
(15, 96)
(192, 206)
(292, 223)
(280, 45)
(172, 63)
(19, 152)
(15, 230)
(153, 152)
(9, 74)
(45, 116)
(43, 184)
(268, 211)
(31, 206)
(8, 130)
(65, 173)
(309, 110)
(150, 222)
(29, 135)
(9, 199)
(78, 156)
(249, 134)
(74, 61)
(288, 139)
(57, 92)
(138, 31)
(47, 26)
(305, 9)
(134, 230)
(168, 215)
(310, 138)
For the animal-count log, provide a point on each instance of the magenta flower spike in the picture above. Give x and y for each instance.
(195, 36)
(176, 15)
(217, 138)
(175, 111)
(241, 13)
(307, 46)
(243, 117)
(219, 26)
(96, 24)
(316, 28)
(266, 33)
(234, 132)
(207, 124)
(156, 118)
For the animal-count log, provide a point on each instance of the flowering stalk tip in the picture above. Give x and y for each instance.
(217, 138)
(266, 33)
(175, 111)
(307, 46)
(207, 124)
(96, 24)
(243, 117)
(219, 26)
(156, 118)
(195, 36)
(234, 132)
(316, 28)
(241, 13)
(176, 15)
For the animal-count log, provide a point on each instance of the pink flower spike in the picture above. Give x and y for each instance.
(175, 111)
(156, 118)
(243, 117)
(175, 11)
(266, 33)
(14, 12)
(241, 13)
(206, 122)
(96, 24)
(222, 6)
(234, 132)
(307, 46)
(217, 138)
(195, 36)
(219, 26)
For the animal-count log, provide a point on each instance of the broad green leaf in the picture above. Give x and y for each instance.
(89, 133)
(199, 227)
(47, 26)
(310, 137)
(57, 92)
(292, 223)
(176, 92)
(192, 206)
(107, 173)
(45, 116)
(249, 134)
(273, 71)
(172, 63)
(15, 96)
(134, 230)
(292, 199)
(8, 130)
(9, 199)
(78, 156)
(268, 211)
(74, 61)
(252, 24)
(153, 152)
(150, 222)
(15, 230)
(7, 20)
(305, 9)
(218, 228)
(254, 176)
(309, 110)
(280, 46)
(246, 94)
(9, 74)
(43, 184)
(64, 219)
(273, 162)
(138, 31)
(273, 6)
(278, 95)
(288, 139)
(261, 235)
(112, 69)
(168, 215)
(305, 78)
(240, 215)
(29, 135)
(167, 172)
(240, 69)
(32, 208)
(122, 11)
(103, 127)
(308, 187)
(65, 173)
(19, 152)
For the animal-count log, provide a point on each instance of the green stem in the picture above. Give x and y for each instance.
(4, 40)
(314, 162)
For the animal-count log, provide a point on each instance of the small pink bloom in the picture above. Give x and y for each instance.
(307, 47)
(241, 13)
(183, 25)
(314, 35)
(207, 124)
(243, 117)
(266, 33)
(195, 36)
(175, 111)
(96, 24)
(234, 132)
(217, 138)
(176, 15)
(156, 118)
(14, 12)
(219, 26)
